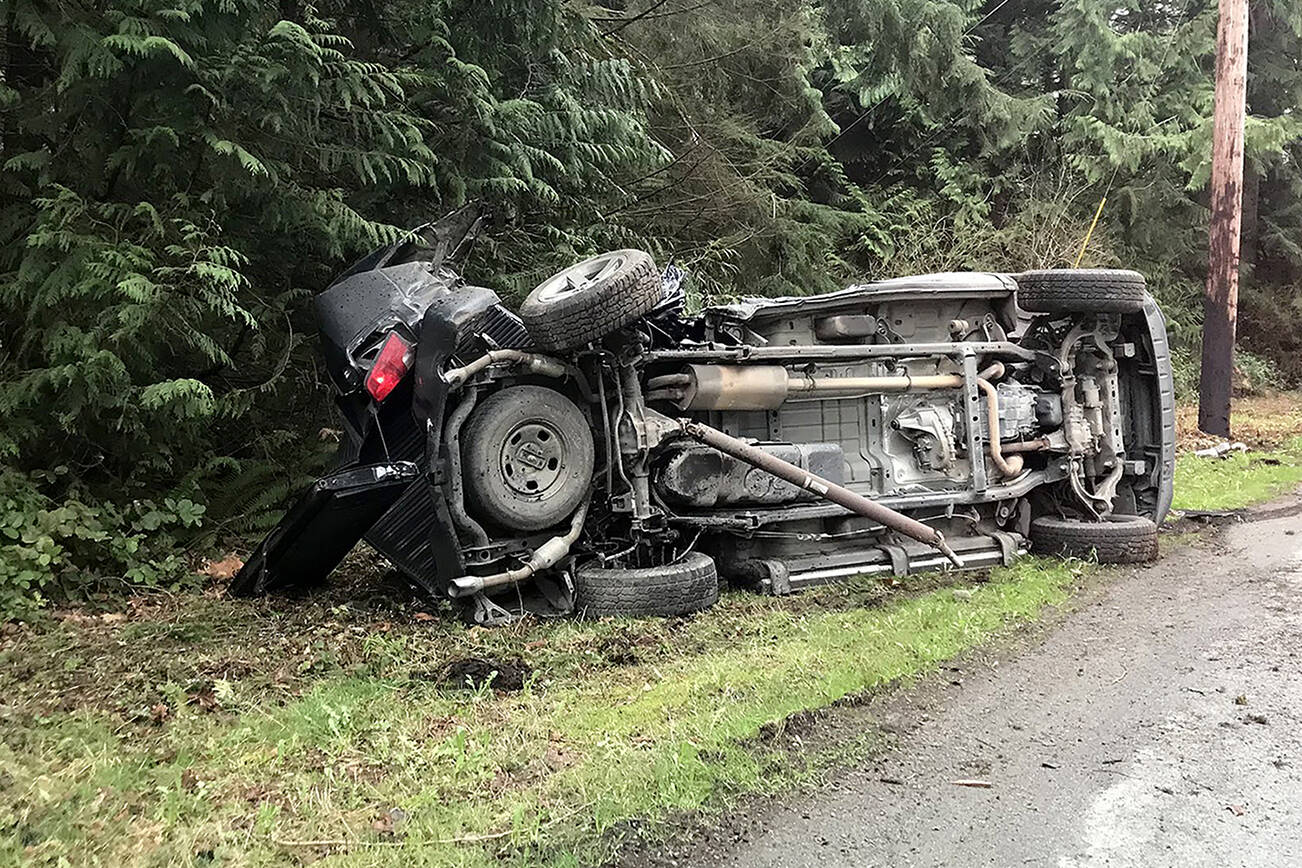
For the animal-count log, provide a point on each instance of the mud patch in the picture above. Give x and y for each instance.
(474, 673)
(619, 652)
(793, 727)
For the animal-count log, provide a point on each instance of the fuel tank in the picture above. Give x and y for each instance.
(696, 476)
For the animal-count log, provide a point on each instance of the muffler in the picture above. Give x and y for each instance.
(767, 387)
(546, 556)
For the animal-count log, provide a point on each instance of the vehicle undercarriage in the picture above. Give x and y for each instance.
(609, 453)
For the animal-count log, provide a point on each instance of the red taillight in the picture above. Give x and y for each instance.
(391, 365)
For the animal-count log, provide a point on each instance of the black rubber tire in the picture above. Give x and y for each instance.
(689, 585)
(597, 309)
(1121, 539)
(485, 455)
(1081, 290)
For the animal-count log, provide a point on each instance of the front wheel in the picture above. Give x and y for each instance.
(1119, 539)
(1081, 290)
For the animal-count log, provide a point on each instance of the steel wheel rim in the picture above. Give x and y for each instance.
(533, 459)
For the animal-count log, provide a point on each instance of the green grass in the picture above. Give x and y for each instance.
(306, 744)
(199, 731)
(1240, 480)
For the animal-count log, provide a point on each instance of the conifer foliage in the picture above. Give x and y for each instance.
(167, 166)
(177, 177)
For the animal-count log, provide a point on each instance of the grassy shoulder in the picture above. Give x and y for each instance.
(1272, 427)
(1239, 480)
(229, 734)
(342, 729)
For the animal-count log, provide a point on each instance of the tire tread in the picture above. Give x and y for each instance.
(603, 308)
(1126, 542)
(1081, 290)
(690, 585)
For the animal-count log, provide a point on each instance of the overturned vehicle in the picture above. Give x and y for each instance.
(605, 452)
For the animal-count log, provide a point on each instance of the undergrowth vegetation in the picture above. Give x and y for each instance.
(1267, 426)
(179, 178)
(356, 734)
(49, 541)
(1239, 479)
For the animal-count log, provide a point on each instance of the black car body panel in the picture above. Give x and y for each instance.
(410, 286)
(323, 525)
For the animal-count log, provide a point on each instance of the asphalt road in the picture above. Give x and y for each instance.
(1159, 725)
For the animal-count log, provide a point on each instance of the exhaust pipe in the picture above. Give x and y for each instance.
(536, 364)
(768, 387)
(1012, 465)
(547, 555)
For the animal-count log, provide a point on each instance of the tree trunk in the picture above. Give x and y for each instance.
(1251, 197)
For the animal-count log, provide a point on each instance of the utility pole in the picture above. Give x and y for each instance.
(1220, 305)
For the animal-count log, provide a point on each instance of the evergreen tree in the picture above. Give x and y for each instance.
(178, 178)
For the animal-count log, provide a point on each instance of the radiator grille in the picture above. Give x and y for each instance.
(498, 327)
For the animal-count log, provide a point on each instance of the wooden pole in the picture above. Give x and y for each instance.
(1221, 302)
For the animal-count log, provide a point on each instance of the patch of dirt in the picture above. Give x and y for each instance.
(474, 673)
(617, 652)
(153, 648)
(157, 651)
(1260, 421)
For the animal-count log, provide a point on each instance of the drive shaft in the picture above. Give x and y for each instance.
(824, 488)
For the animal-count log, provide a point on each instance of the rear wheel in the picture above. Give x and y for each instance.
(1119, 539)
(1081, 290)
(590, 300)
(687, 585)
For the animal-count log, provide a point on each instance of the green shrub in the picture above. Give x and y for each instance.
(47, 544)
